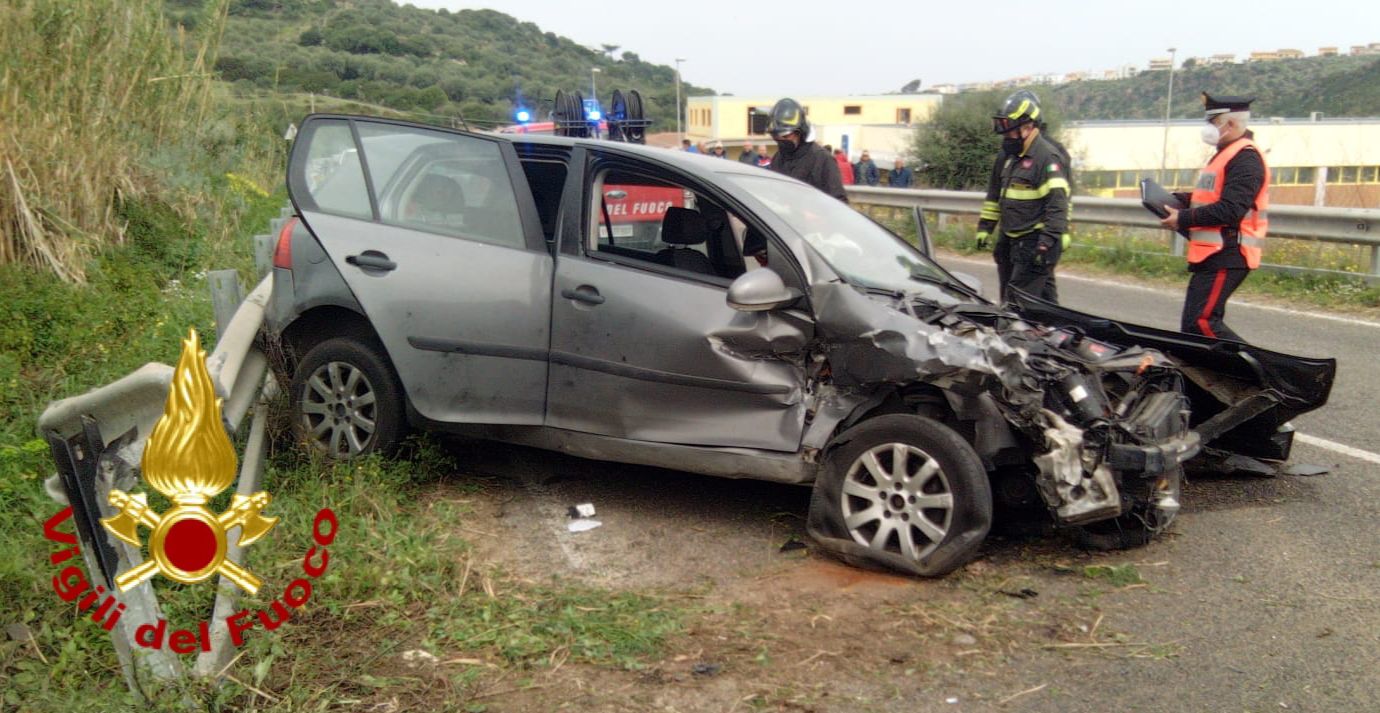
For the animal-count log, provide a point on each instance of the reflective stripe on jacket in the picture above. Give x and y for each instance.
(1206, 240)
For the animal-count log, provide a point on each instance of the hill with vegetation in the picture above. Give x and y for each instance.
(1336, 86)
(477, 64)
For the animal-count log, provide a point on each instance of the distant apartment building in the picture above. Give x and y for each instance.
(1075, 76)
(944, 89)
(1327, 51)
(1265, 56)
(1290, 54)
(1220, 58)
(1372, 48)
(1160, 64)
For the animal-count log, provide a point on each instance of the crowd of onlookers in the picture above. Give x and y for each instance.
(862, 173)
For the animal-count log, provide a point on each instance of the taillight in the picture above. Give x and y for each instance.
(282, 253)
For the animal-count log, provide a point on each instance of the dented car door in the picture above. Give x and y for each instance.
(646, 348)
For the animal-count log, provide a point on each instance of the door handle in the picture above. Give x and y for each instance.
(584, 293)
(372, 260)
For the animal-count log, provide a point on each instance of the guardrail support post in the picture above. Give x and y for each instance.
(226, 296)
(1374, 264)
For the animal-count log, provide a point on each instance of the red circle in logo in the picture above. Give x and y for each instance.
(190, 545)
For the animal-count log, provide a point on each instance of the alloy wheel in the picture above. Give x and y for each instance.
(339, 410)
(896, 498)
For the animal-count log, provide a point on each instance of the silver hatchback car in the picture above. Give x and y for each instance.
(646, 306)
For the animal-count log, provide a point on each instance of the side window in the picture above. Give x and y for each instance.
(333, 176)
(664, 223)
(441, 183)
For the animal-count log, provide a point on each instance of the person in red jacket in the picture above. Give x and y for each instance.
(845, 168)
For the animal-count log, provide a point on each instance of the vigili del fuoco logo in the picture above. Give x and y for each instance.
(189, 459)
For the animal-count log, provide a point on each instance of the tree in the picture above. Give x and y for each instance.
(609, 49)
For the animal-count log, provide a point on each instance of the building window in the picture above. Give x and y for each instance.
(852, 109)
(903, 116)
(1307, 175)
(758, 120)
(1369, 174)
(1348, 174)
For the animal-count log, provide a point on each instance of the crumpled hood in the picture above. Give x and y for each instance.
(869, 342)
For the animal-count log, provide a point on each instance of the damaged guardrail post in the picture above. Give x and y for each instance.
(97, 441)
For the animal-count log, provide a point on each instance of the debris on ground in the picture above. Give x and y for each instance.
(792, 545)
(1023, 593)
(706, 669)
(1307, 469)
(583, 525)
(581, 510)
(417, 658)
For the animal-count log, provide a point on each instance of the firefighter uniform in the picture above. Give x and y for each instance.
(1027, 206)
(1226, 224)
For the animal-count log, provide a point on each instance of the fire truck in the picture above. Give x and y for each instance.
(634, 212)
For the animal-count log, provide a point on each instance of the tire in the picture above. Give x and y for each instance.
(903, 492)
(1151, 512)
(346, 400)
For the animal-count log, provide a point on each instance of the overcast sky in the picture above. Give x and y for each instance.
(805, 47)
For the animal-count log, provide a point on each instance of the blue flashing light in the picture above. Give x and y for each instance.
(523, 116)
(595, 115)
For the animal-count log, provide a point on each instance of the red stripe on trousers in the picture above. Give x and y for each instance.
(1211, 301)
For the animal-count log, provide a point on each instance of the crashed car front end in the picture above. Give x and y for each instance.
(1101, 424)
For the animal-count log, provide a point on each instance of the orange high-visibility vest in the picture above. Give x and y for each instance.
(1205, 240)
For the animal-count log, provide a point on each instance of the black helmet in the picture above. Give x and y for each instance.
(788, 116)
(1019, 109)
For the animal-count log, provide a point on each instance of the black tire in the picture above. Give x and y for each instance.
(1148, 515)
(346, 400)
(885, 498)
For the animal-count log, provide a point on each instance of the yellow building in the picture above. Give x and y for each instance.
(1334, 162)
(839, 120)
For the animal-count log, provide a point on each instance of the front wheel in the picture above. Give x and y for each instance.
(346, 402)
(903, 492)
(1150, 511)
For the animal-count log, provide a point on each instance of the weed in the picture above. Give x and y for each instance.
(1117, 575)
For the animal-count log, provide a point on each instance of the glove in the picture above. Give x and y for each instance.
(1043, 245)
(1067, 241)
(982, 239)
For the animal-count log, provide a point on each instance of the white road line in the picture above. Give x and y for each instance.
(1172, 293)
(1341, 448)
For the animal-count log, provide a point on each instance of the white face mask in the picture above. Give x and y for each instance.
(1211, 135)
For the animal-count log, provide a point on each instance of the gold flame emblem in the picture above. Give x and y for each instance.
(189, 458)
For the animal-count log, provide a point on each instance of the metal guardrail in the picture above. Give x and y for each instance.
(97, 440)
(1347, 226)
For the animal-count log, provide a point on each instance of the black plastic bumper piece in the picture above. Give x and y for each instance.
(1153, 459)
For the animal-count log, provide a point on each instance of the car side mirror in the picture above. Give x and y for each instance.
(760, 290)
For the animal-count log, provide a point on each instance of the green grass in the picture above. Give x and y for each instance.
(400, 577)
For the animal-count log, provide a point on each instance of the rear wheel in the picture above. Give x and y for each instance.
(1151, 511)
(904, 492)
(346, 401)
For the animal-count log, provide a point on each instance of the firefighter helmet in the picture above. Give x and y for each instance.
(1019, 109)
(788, 116)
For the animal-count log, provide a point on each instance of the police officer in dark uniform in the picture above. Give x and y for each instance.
(797, 155)
(1027, 201)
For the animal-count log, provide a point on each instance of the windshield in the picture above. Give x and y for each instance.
(861, 251)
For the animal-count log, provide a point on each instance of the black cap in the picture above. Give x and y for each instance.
(1221, 105)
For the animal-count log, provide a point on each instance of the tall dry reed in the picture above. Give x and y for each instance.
(88, 88)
